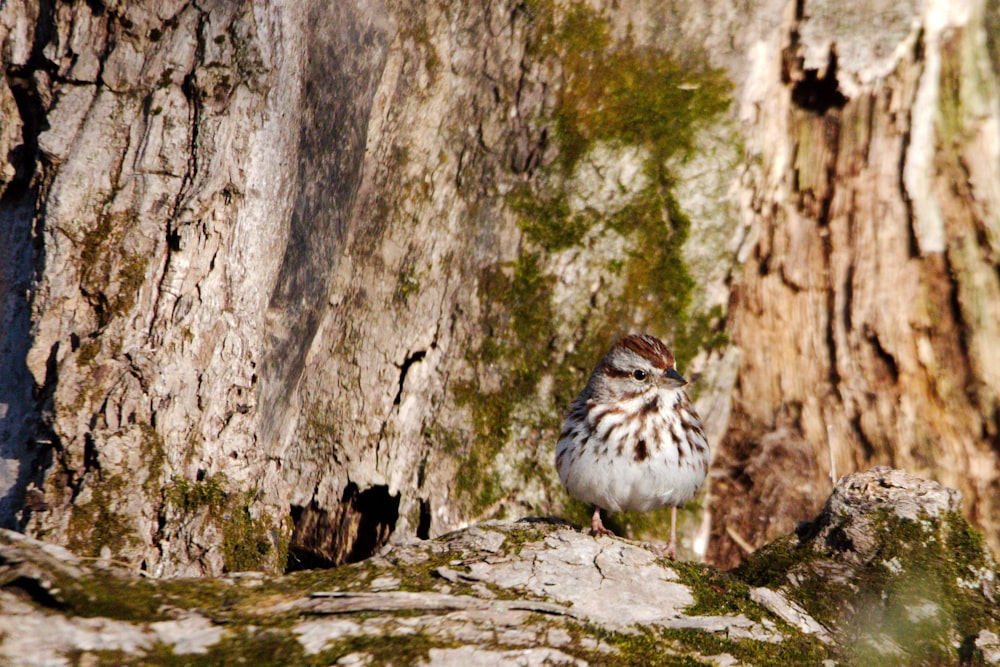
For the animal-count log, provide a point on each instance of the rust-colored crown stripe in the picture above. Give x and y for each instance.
(650, 348)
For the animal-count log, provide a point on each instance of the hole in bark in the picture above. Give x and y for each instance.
(51, 368)
(421, 473)
(424, 524)
(96, 8)
(967, 650)
(838, 540)
(888, 368)
(805, 530)
(819, 95)
(352, 531)
(90, 461)
(404, 369)
(24, 157)
(867, 447)
(174, 241)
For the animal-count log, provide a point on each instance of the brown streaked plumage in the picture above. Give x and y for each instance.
(631, 440)
(650, 348)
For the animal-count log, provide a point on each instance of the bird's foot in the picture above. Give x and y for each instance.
(665, 550)
(601, 530)
(597, 526)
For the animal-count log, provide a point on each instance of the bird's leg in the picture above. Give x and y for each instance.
(672, 546)
(596, 525)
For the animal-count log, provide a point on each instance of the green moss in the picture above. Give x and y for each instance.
(352, 577)
(111, 597)
(96, 524)
(932, 561)
(155, 458)
(991, 21)
(702, 330)
(189, 497)
(397, 650)
(616, 93)
(910, 593)
(131, 276)
(822, 592)
(407, 282)
(715, 592)
(94, 241)
(247, 542)
(643, 647)
(415, 28)
(951, 116)
(653, 646)
(320, 428)
(548, 221)
(625, 94)
(658, 285)
(801, 652)
(88, 351)
(97, 658)
(621, 92)
(245, 646)
(769, 565)
(518, 328)
(111, 277)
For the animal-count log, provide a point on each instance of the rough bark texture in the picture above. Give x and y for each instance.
(302, 276)
(868, 310)
(281, 281)
(144, 181)
(903, 580)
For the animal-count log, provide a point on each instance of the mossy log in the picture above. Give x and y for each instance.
(888, 574)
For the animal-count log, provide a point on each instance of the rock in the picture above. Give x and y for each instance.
(889, 568)
(471, 656)
(989, 644)
(789, 612)
(537, 592)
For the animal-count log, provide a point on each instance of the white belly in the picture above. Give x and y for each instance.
(670, 475)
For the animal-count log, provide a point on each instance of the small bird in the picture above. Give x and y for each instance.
(631, 440)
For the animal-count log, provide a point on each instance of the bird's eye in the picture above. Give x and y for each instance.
(639, 375)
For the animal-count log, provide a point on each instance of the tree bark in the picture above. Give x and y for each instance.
(304, 276)
(285, 280)
(869, 305)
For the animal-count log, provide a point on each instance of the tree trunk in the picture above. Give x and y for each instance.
(306, 275)
(285, 280)
(868, 309)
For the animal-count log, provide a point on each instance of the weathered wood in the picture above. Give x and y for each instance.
(283, 280)
(865, 308)
(902, 577)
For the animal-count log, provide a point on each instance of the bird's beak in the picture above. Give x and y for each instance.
(674, 379)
